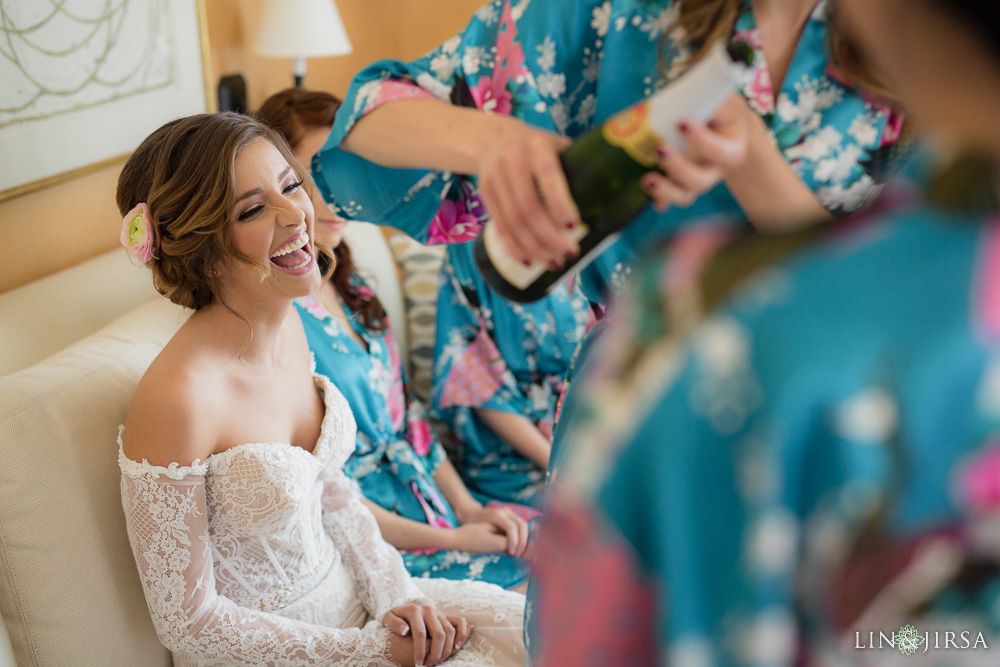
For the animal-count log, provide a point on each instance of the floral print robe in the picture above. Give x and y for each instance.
(568, 65)
(497, 355)
(776, 456)
(397, 453)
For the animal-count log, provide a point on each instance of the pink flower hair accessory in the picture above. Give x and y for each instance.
(137, 234)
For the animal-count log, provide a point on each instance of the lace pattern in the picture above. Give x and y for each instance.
(223, 546)
(264, 554)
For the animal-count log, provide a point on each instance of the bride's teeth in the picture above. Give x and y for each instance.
(294, 245)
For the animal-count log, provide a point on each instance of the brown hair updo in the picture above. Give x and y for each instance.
(293, 112)
(185, 173)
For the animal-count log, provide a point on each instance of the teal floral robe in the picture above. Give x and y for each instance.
(781, 445)
(568, 65)
(497, 355)
(397, 453)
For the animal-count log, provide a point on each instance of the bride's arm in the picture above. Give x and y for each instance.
(165, 513)
(382, 580)
(167, 521)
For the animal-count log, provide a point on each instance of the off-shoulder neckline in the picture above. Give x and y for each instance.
(200, 466)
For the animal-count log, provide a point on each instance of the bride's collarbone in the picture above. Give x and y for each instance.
(276, 410)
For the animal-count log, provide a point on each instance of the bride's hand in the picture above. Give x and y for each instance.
(424, 635)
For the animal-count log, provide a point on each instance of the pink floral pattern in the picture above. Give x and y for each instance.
(760, 90)
(482, 374)
(988, 288)
(420, 436)
(453, 224)
(979, 481)
(395, 392)
(394, 90)
(490, 99)
(573, 549)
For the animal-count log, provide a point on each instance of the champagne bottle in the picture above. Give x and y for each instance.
(604, 167)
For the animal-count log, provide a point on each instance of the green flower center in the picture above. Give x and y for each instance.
(135, 230)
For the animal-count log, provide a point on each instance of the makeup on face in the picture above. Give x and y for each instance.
(273, 214)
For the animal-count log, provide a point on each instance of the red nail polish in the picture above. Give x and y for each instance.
(570, 225)
(712, 125)
(684, 127)
(662, 153)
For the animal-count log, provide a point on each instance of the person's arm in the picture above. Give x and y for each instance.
(520, 433)
(495, 528)
(455, 491)
(431, 134)
(407, 534)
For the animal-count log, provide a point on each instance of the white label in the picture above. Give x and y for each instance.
(513, 271)
(695, 95)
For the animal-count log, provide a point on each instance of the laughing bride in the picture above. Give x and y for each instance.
(251, 544)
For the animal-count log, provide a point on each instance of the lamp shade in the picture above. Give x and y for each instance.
(300, 28)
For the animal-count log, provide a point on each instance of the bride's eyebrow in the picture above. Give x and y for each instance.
(257, 191)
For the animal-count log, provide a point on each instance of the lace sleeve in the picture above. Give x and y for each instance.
(165, 513)
(382, 579)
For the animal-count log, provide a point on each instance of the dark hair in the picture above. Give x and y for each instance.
(981, 17)
(293, 112)
(184, 172)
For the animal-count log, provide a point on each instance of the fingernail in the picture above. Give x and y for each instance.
(648, 183)
(712, 125)
(554, 265)
(458, 647)
(572, 255)
(405, 631)
(525, 262)
(571, 225)
(683, 127)
(662, 153)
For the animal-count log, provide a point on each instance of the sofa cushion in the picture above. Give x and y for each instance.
(69, 592)
(420, 268)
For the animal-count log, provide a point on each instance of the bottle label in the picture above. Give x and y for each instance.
(513, 271)
(630, 131)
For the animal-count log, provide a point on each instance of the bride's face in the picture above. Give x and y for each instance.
(329, 226)
(272, 222)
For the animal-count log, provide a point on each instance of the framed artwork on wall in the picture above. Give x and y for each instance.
(82, 82)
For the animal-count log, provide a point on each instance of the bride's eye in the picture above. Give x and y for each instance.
(292, 187)
(250, 212)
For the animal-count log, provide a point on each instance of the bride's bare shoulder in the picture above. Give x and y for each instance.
(175, 414)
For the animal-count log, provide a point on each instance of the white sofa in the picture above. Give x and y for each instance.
(69, 593)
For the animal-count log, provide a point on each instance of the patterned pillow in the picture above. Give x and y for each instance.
(420, 268)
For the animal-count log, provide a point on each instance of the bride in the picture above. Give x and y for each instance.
(251, 544)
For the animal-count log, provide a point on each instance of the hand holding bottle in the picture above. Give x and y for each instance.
(525, 190)
(712, 150)
(651, 152)
(526, 194)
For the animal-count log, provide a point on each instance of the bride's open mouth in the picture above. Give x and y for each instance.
(295, 256)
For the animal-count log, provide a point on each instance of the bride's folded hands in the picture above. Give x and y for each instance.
(423, 635)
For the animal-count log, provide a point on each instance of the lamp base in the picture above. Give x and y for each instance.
(299, 71)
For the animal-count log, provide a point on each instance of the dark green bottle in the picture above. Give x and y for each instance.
(604, 167)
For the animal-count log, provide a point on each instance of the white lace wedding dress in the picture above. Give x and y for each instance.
(264, 555)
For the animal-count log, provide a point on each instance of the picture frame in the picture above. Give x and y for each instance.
(82, 83)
